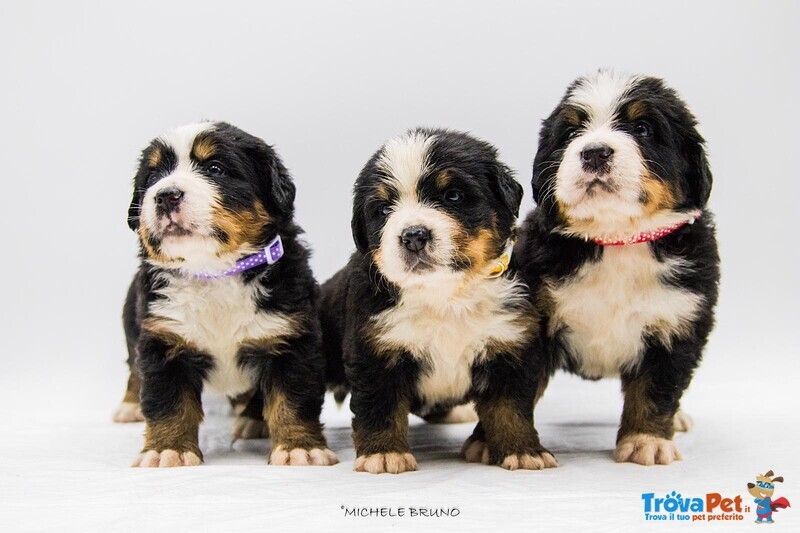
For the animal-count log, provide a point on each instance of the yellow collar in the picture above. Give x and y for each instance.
(501, 263)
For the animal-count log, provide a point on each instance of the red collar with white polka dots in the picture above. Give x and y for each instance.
(652, 235)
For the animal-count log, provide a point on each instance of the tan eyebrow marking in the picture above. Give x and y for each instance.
(443, 179)
(636, 110)
(155, 157)
(572, 116)
(203, 147)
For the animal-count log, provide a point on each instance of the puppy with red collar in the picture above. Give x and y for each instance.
(224, 298)
(620, 252)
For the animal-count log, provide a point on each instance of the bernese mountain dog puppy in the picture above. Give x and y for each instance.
(224, 297)
(426, 316)
(620, 253)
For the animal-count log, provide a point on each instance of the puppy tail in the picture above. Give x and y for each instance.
(340, 392)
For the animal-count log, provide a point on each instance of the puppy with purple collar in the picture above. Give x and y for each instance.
(620, 253)
(224, 298)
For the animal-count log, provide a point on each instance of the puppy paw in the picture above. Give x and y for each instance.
(385, 463)
(477, 451)
(302, 457)
(166, 459)
(646, 450)
(249, 428)
(128, 412)
(683, 422)
(529, 461)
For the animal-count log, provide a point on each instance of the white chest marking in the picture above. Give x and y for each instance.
(610, 305)
(449, 334)
(217, 316)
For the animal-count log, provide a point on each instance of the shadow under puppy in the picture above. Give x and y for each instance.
(620, 252)
(223, 297)
(425, 316)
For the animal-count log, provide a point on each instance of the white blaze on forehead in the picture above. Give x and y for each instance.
(404, 159)
(601, 94)
(182, 139)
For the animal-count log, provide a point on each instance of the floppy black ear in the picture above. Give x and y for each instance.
(543, 166)
(282, 187)
(537, 180)
(699, 174)
(139, 181)
(277, 188)
(358, 223)
(134, 209)
(507, 188)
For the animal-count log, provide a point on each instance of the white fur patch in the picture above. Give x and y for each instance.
(608, 306)
(217, 316)
(447, 324)
(600, 95)
(440, 249)
(404, 159)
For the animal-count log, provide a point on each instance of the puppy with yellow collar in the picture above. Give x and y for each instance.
(427, 314)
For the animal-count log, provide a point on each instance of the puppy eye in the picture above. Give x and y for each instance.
(571, 133)
(642, 129)
(215, 169)
(384, 210)
(453, 196)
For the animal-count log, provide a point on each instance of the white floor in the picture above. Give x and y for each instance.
(66, 469)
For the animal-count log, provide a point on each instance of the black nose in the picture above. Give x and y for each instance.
(415, 237)
(595, 156)
(168, 199)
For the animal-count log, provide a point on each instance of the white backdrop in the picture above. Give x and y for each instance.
(85, 86)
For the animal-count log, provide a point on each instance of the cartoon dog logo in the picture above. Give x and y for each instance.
(762, 490)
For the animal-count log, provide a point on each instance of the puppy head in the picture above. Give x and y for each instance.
(617, 153)
(434, 204)
(206, 194)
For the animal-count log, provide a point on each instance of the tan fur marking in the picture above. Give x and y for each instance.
(636, 110)
(179, 430)
(639, 414)
(392, 439)
(155, 157)
(572, 117)
(481, 249)
(134, 386)
(658, 195)
(243, 228)
(203, 147)
(443, 179)
(505, 428)
(382, 191)
(287, 429)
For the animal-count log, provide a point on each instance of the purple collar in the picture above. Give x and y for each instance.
(269, 255)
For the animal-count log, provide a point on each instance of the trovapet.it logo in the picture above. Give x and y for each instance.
(715, 507)
(710, 507)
